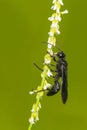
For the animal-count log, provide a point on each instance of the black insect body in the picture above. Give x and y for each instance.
(55, 88)
(61, 73)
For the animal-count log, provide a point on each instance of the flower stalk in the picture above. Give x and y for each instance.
(46, 73)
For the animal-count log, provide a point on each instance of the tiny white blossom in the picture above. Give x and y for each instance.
(31, 92)
(46, 61)
(49, 73)
(50, 51)
(51, 18)
(49, 45)
(54, 1)
(58, 32)
(58, 18)
(54, 7)
(37, 118)
(61, 3)
(47, 86)
(31, 120)
(51, 33)
(32, 110)
(64, 12)
(53, 25)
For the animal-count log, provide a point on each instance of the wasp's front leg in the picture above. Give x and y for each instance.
(53, 56)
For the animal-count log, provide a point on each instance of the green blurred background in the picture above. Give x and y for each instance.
(23, 26)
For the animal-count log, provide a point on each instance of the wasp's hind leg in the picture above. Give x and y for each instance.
(55, 88)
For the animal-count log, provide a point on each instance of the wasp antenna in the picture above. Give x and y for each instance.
(37, 66)
(52, 45)
(47, 43)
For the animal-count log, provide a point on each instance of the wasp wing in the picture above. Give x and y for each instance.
(64, 91)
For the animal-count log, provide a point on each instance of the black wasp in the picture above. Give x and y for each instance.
(60, 73)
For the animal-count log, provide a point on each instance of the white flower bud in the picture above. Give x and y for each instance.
(46, 61)
(31, 92)
(49, 73)
(53, 7)
(50, 33)
(49, 46)
(53, 25)
(32, 110)
(65, 12)
(47, 86)
(58, 18)
(37, 118)
(31, 120)
(54, 1)
(58, 32)
(51, 18)
(61, 3)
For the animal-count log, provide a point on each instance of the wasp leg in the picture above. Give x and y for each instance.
(56, 87)
(37, 66)
(53, 70)
(52, 65)
(42, 69)
(38, 91)
(53, 56)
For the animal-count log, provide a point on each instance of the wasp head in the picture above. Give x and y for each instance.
(61, 54)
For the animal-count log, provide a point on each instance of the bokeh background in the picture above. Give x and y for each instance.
(23, 26)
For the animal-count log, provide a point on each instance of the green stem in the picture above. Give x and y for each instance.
(30, 126)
